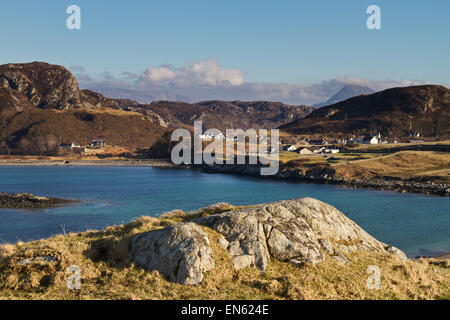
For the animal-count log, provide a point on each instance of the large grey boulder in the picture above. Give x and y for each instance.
(297, 231)
(181, 253)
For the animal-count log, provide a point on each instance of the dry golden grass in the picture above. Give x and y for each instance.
(108, 272)
(405, 164)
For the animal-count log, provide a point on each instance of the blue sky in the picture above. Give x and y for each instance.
(294, 42)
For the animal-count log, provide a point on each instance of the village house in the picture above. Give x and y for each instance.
(332, 151)
(290, 147)
(371, 140)
(69, 146)
(305, 151)
(320, 150)
(367, 139)
(98, 144)
(75, 145)
(316, 151)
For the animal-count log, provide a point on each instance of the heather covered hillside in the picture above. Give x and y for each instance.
(393, 112)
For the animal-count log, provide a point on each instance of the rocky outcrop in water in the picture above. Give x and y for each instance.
(29, 201)
(296, 231)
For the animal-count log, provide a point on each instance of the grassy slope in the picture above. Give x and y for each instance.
(115, 126)
(405, 164)
(109, 273)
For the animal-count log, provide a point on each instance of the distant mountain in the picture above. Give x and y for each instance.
(393, 112)
(347, 92)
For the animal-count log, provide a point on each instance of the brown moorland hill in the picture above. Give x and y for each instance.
(393, 112)
(41, 106)
(224, 115)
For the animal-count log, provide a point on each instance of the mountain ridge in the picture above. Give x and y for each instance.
(393, 112)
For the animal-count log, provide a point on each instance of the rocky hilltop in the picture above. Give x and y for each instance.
(45, 86)
(38, 85)
(392, 112)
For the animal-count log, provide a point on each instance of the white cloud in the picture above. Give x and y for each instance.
(207, 80)
(160, 74)
(203, 73)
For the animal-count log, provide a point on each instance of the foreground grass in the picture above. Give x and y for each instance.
(107, 272)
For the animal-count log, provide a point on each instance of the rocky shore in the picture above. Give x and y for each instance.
(29, 201)
(326, 175)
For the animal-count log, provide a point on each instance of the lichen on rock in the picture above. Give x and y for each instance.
(182, 253)
(296, 231)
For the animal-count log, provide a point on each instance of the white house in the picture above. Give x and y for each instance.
(332, 151)
(370, 140)
(98, 143)
(320, 150)
(374, 140)
(291, 148)
(305, 151)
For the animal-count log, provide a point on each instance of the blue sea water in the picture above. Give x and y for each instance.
(417, 224)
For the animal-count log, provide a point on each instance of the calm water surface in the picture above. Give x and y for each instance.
(418, 224)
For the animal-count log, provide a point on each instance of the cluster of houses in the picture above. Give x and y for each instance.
(219, 136)
(96, 144)
(366, 139)
(311, 150)
(322, 146)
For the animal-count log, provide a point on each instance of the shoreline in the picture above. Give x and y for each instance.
(326, 177)
(157, 163)
(242, 170)
(381, 183)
